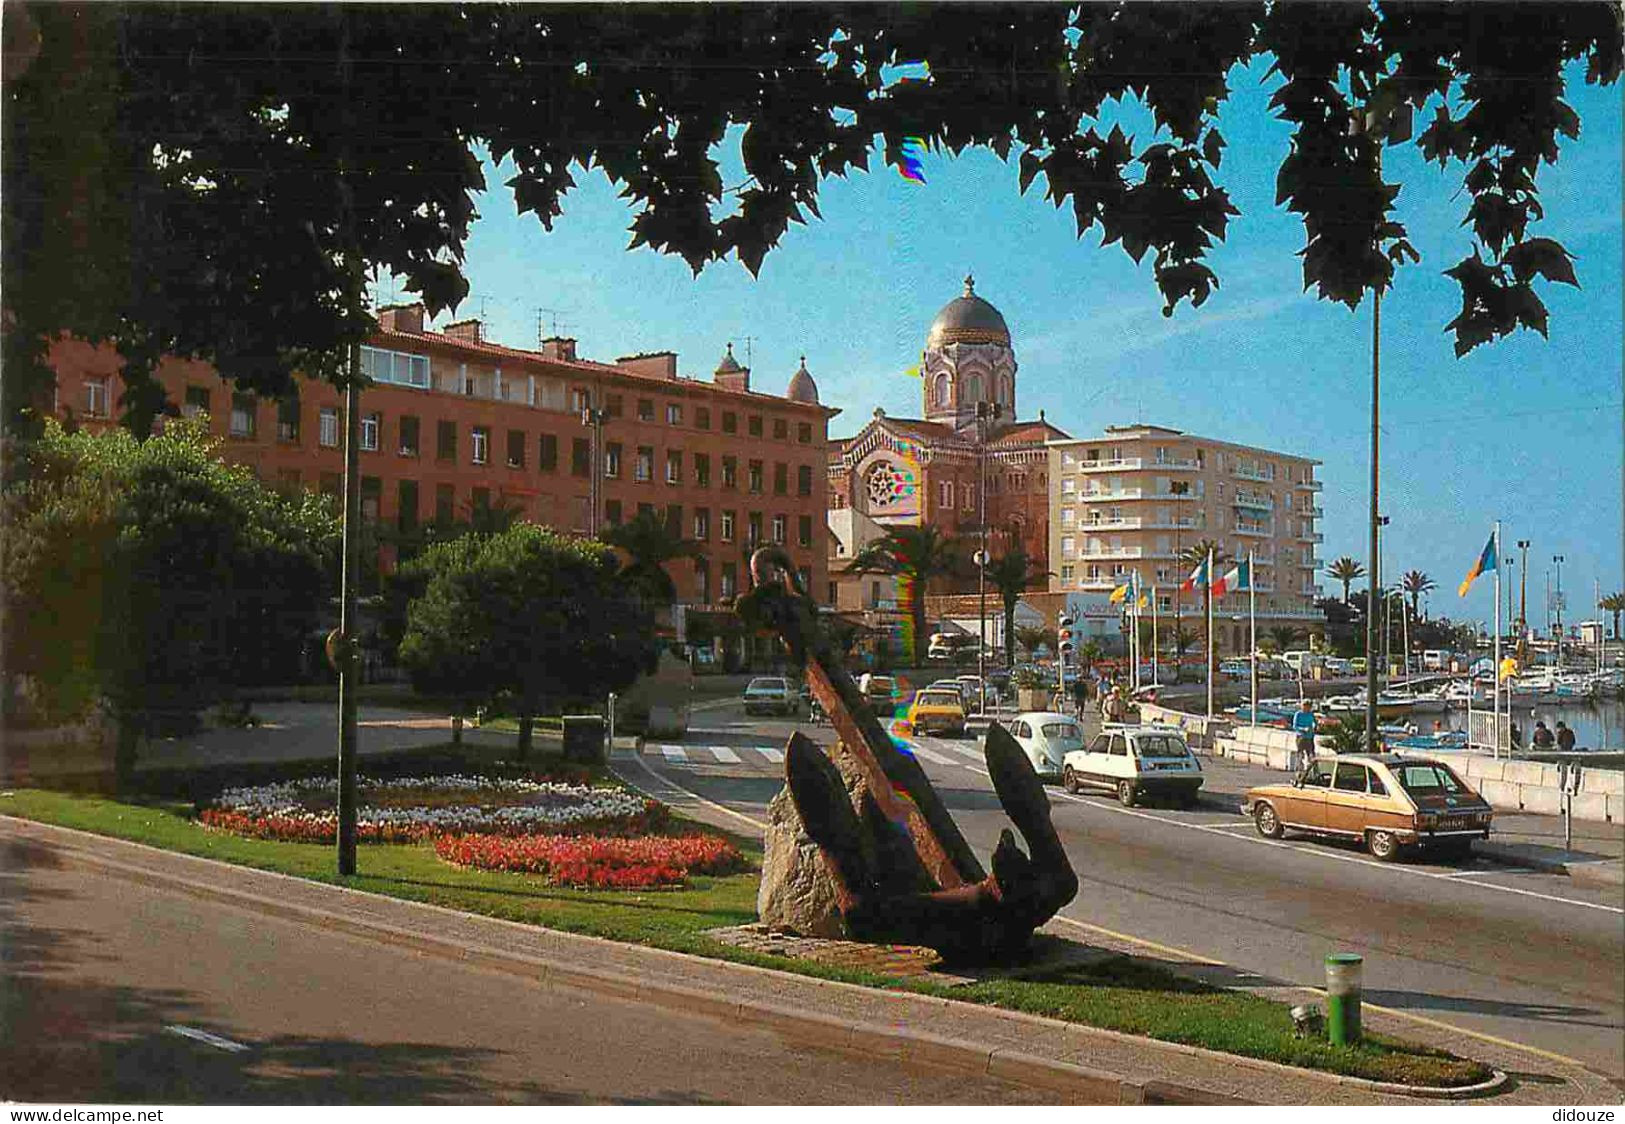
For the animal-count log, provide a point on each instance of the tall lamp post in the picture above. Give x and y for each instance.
(1392, 126)
(1178, 488)
(1523, 590)
(985, 412)
(593, 418)
(1557, 605)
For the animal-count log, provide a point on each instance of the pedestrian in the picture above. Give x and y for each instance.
(1305, 724)
(1080, 694)
(1543, 737)
(1565, 737)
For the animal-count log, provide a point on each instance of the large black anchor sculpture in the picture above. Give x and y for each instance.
(903, 873)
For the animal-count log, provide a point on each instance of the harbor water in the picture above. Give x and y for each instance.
(1596, 725)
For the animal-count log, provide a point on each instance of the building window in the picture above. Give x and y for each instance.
(612, 512)
(781, 479)
(804, 432)
(613, 406)
(580, 513)
(445, 504)
(730, 578)
(730, 472)
(547, 453)
(730, 422)
(1066, 573)
(674, 466)
(580, 399)
(580, 456)
(612, 460)
(674, 414)
(702, 523)
(780, 529)
(370, 425)
(197, 401)
(242, 415)
(702, 578)
(702, 417)
(753, 528)
(946, 493)
(756, 477)
(702, 470)
(406, 505)
(804, 481)
(445, 440)
(939, 391)
(646, 409)
(644, 468)
(331, 484)
(754, 427)
(287, 419)
(372, 491)
(409, 436)
(396, 367)
(967, 497)
(781, 429)
(327, 427)
(727, 528)
(516, 448)
(804, 530)
(479, 443)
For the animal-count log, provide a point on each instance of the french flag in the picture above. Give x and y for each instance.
(1239, 578)
(1197, 579)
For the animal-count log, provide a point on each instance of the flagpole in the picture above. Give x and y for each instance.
(1252, 627)
(1134, 629)
(1156, 676)
(1207, 578)
(1495, 723)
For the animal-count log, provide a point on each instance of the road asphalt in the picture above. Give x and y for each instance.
(1083, 1064)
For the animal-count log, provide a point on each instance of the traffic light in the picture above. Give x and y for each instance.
(1066, 645)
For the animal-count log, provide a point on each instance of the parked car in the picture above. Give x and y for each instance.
(770, 694)
(1357, 665)
(880, 690)
(937, 709)
(1136, 761)
(1234, 669)
(1047, 737)
(1336, 665)
(983, 696)
(1388, 801)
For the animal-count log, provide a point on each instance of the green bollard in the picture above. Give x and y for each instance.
(1343, 997)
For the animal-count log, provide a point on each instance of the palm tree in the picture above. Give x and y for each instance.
(1283, 636)
(1614, 603)
(1011, 573)
(1345, 570)
(1193, 556)
(650, 542)
(1416, 583)
(912, 555)
(1034, 637)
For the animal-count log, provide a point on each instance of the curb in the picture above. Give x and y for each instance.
(1598, 872)
(859, 1036)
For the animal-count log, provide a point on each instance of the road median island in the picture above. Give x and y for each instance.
(1114, 992)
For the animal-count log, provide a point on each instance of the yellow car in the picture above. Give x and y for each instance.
(937, 709)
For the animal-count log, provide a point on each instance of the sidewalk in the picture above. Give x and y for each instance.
(1094, 1066)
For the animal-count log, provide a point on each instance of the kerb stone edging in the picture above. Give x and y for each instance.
(893, 1040)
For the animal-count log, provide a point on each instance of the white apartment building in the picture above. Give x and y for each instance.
(1134, 499)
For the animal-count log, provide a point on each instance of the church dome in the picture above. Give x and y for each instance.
(802, 387)
(968, 319)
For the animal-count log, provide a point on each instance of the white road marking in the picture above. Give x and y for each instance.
(932, 756)
(1322, 852)
(975, 755)
(772, 754)
(724, 754)
(712, 804)
(674, 753)
(206, 1038)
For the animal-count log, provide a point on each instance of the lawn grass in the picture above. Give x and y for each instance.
(1118, 994)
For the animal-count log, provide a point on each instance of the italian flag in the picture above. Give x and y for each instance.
(1240, 577)
(1198, 578)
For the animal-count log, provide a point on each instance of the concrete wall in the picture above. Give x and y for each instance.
(1533, 786)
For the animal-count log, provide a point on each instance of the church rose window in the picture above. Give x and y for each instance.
(887, 484)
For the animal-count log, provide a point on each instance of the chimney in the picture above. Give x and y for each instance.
(657, 364)
(401, 318)
(469, 330)
(561, 348)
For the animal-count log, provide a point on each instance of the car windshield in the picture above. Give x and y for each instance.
(1428, 779)
(938, 698)
(1159, 745)
(1063, 731)
(766, 685)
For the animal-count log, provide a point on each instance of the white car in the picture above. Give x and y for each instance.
(1047, 738)
(770, 694)
(1135, 761)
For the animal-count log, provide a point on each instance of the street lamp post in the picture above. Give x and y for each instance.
(1557, 605)
(593, 418)
(1523, 589)
(1178, 488)
(985, 412)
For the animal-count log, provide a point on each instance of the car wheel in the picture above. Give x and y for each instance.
(1069, 780)
(1267, 822)
(1126, 794)
(1383, 846)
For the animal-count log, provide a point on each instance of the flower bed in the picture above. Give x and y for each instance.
(410, 809)
(596, 862)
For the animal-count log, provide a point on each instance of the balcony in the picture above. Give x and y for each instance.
(1121, 552)
(1312, 511)
(1133, 524)
(1252, 474)
(1124, 464)
(1311, 536)
(1293, 614)
(1185, 524)
(1175, 464)
(1102, 582)
(1121, 494)
(1308, 485)
(1259, 530)
(1255, 501)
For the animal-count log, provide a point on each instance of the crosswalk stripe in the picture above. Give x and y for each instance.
(674, 752)
(964, 751)
(920, 751)
(725, 755)
(774, 755)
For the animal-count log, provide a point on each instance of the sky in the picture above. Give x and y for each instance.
(1525, 430)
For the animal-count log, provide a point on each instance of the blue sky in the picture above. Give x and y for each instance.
(1526, 430)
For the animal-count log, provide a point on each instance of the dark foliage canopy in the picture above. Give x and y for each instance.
(179, 176)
